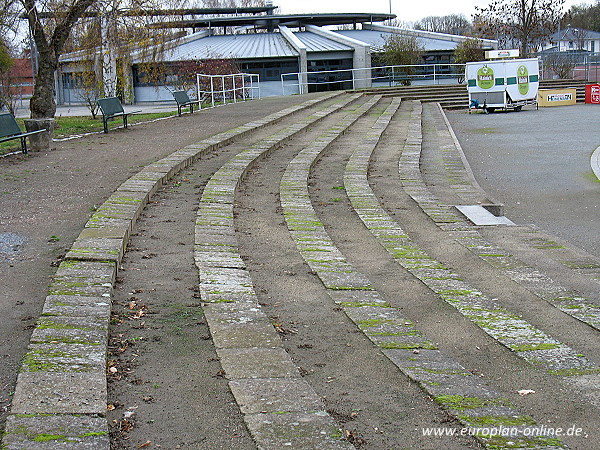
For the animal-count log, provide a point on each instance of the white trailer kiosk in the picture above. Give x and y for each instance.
(504, 84)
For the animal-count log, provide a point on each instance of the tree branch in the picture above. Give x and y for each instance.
(63, 28)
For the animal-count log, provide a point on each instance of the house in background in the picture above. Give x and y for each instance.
(573, 39)
(572, 53)
(301, 48)
(20, 78)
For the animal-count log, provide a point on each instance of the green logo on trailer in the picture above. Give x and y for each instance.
(485, 78)
(523, 80)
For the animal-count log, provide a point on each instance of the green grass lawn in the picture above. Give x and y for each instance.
(74, 125)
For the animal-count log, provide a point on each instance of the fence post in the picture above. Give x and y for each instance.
(587, 68)
(198, 91)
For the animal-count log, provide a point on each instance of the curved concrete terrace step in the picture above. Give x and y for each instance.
(463, 395)
(61, 392)
(280, 408)
(526, 341)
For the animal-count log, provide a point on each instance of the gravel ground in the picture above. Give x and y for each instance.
(46, 198)
(168, 389)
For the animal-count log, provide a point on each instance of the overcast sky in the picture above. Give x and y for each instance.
(406, 10)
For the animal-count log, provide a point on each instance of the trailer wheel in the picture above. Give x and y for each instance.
(489, 110)
(519, 108)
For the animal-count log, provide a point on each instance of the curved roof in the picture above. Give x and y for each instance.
(316, 43)
(238, 46)
(376, 39)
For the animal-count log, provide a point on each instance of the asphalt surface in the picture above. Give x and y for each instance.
(537, 163)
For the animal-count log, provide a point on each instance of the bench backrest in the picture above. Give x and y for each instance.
(181, 97)
(110, 106)
(8, 125)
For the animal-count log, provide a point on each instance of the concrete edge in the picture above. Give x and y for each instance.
(493, 204)
(595, 162)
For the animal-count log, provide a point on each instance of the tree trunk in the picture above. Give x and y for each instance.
(42, 103)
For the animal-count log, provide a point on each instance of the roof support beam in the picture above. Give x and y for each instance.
(302, 58)
(361, 60)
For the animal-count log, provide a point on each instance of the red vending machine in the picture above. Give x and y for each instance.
(592, 93)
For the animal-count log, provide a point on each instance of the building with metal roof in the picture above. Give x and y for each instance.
(289, 54)
(573, 39)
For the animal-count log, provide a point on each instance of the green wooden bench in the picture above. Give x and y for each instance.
(9, 130)
(111, 107)
(183, 100)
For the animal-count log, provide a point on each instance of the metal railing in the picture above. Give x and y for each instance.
(227, 88)
(583, 65)
(300, 82)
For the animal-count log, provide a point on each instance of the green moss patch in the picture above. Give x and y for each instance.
(574, 372)
(49, 437)
(407, 346)
(496, 421)
(533, 347)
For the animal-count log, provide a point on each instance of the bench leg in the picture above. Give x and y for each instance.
(24, 145)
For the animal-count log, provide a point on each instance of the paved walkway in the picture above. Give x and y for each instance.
(79, 110)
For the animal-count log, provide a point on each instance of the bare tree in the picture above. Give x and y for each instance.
(560, 65)
(88, 88)
(522, 23)
(580, 35)
(52, 23)
(399, 24)
(6, 60)
(7, 97)
(50, 39)
(404, 51)
(467, 51)
(450, 24)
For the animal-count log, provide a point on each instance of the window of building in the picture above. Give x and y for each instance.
(270, 70)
